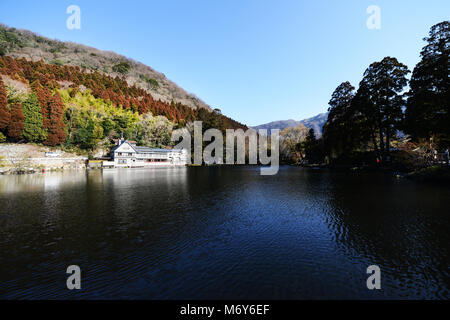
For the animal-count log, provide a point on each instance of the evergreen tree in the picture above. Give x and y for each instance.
(44, 96)
(311, 137)
(380, 91)
(337, 130)
(427, 113)
(32, 127)
(311, 146)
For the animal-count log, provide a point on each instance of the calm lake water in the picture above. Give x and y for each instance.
(222, 233)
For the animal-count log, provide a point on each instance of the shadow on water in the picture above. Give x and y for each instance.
(399, 225)
(221, 232)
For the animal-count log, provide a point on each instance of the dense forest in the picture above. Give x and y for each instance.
(71, 106)
(387, 109)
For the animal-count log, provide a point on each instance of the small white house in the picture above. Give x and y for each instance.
(127, 154)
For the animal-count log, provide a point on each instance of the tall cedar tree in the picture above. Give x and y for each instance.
(55, 130)
(312, 148)
(337, 131)
(15, 127)
(381, 88)
(5, 114)
(33, 130)
(427, 113)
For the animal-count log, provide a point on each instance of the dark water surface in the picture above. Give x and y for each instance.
(209, 233)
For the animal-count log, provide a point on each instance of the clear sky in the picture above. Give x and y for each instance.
(258, 61)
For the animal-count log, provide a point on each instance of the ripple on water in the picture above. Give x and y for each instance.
(222, 233)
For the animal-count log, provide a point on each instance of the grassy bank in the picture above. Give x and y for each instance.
(431, 174)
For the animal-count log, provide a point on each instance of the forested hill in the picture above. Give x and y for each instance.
(69, 105)
(24, 43)
(72, 106)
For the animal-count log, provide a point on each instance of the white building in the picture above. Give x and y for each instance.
(127, 154)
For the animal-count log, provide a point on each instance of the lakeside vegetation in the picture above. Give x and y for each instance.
(382, 125)
(388, 122)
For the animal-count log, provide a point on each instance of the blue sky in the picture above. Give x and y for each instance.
(258, 61)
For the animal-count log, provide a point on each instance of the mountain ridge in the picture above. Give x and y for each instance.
(316, 122)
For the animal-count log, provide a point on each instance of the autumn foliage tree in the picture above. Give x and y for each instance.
(55, 129)
(5, 114)
(16, 124)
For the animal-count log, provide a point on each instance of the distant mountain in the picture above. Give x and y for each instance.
(315, 123)
(281, 124)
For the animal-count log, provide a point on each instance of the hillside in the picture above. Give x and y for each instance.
(315, 123)
(66, 105)
(281, 124)
(77, 108)
(24, 43)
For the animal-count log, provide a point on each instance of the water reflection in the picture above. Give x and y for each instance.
(208, 233)
(41, 182)
(400, 226)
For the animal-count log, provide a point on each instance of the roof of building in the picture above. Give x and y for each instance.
(129, 141)
(145, 149)
(118, 145)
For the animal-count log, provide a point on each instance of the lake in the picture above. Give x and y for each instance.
(222, 233)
